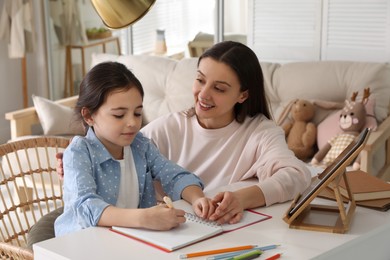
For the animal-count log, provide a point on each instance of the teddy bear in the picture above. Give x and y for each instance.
(352, 121)
(300, 131)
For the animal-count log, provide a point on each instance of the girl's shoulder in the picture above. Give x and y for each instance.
(86, 144)
(78, 149)
(78, 141)
(89, 139)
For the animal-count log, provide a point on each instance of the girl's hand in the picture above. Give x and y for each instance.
(203, 207)
(161, 217)
(229, 209)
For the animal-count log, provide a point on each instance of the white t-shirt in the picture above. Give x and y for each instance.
(254, 150)
(128, 196)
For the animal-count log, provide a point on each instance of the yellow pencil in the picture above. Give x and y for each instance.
(168, 201)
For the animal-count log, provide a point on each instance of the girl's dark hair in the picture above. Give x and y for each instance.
(99, 82)
(244, 62)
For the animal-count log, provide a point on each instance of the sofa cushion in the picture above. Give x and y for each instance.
(44, 228)
(56, 119)
(167, 83)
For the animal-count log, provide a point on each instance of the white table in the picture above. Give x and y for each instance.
(368, 238)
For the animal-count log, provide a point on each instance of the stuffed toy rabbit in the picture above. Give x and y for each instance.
(352, 121)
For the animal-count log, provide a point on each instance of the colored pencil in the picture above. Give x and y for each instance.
(217, 251)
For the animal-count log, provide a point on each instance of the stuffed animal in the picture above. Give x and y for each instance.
(352, 121)
(301, 132)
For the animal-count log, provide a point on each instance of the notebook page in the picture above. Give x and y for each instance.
(249, 217)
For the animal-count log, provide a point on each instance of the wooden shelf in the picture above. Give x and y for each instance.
(69, 91)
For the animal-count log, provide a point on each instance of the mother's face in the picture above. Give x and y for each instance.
(216, 90)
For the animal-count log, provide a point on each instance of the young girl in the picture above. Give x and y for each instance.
(111, 171)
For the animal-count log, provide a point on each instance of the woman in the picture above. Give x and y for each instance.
(227, 139)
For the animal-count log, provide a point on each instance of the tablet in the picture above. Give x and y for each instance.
(330, 172)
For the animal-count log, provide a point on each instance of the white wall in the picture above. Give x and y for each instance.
(10, 88)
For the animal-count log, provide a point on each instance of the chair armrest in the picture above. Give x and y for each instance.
(375, 143)
(22, 121)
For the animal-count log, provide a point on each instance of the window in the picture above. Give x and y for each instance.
(181, 20)
(358, 30)
(293, 30)
(285, 29)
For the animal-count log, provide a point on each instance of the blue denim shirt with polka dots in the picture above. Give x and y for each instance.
(92, 177)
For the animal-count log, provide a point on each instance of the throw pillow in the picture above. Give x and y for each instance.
(44, 228)
(56, 119)
(329, 127)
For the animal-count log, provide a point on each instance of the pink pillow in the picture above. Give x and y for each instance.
(329, 127)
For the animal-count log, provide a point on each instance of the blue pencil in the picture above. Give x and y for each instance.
(232, 254)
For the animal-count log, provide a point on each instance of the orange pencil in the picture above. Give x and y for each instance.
(217, 251)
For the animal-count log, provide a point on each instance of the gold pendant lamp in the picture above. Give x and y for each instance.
(118, 14)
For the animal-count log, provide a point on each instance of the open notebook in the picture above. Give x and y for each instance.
(192, 231)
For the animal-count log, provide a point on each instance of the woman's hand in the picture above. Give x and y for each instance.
(60, 166)
(204, 207)
(229, 209)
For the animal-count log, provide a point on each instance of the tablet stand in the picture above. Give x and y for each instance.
(343, 212)
(303, 215)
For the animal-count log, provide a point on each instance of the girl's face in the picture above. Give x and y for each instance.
(216, 90)
(118, 120)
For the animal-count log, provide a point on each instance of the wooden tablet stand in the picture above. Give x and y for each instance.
(302, 215)
(343, 212)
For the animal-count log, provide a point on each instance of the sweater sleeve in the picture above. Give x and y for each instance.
(281, 175)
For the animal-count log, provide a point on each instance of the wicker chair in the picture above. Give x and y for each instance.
(29, 189)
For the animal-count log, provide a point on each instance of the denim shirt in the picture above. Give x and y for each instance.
(92, 177)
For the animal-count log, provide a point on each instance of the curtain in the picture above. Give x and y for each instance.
(17, 27)
(67, 22)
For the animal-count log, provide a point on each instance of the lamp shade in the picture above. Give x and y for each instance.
(118, 14)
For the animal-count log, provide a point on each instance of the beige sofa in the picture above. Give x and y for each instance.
(168, 84)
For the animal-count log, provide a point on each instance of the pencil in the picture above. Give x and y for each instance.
(252, 254)
(216, 251)
(168, 201)
(231, 254)
(274, 257)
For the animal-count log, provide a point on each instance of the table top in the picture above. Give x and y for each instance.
(101, 243)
